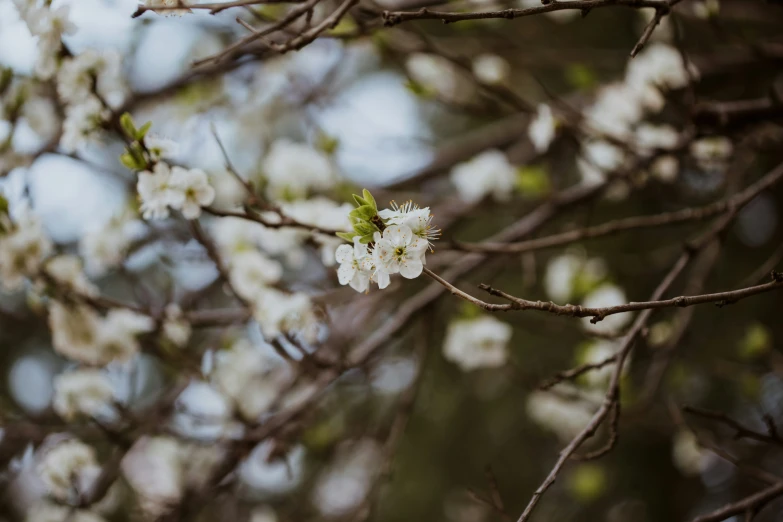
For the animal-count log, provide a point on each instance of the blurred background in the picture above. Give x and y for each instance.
(412, 434)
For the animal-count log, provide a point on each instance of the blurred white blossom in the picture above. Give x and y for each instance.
(477, 343)
(83, 392)
(542, 129)
(488, 173)
(69, 469)
(606, 295)
(491, 69)
(292, 170)
(343, 486)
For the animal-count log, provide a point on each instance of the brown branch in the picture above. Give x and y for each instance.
(631, 223)
(285, 221)
(574, 373)
(391, 18)
(740, 431)
(747, 504)
(213, 8)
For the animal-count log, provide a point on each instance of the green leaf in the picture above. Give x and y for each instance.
(143, 130)
(587, 482)
(366, 212)
(6, 75)
(128, 159)
(346, 235)
(360, 201)
(757, 341)
(364, 228)
(366, 239)
(580, 76)
(327, 143)
(3, 204)
(532, 181)
(126, 122)
(370, 199)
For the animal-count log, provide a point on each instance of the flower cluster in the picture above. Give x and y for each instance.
(385, 242)
(23, 247)
(178, 188)
(49, 25)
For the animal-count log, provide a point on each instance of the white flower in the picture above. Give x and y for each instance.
(202, 412)
(355, 265)
(687, 455)
(599, 158)
(92, 69)
(69, 469)
(168, 3)
(160, 148)
(665, 168)
(48, 25)
(266, 473)
(154, 469)
(399, 250)
(712, 152)
(563, 409)
(542, 129)
(105, 246)
(419, 220)
(616, 109)
(343, 486)
(485, 174)
(437, 74)
(157, 192)
(82, 123)
(251, 272)
(659, 65)
(477, 343)
(604, 296)
(86, 392)
(67, 270)
(22, 250)
(195, 188)
(596, 352)
(491, 69)
(118, 334)
(175, 327)
(293, 169)
(277, 312)
(75, 332)
(571, 274)
(649, 137)
(50, 512)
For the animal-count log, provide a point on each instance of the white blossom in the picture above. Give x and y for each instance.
(687, 455)
(105, 246)
(398, 250)
(271, 474)
(491, 69)
(665, 168)
(563, 410)
(196, 191)
(22, 251)
(277, 312)
(542, 128)
(67, 270)
(356, 266)
(480, 342)
(345, 484)
(606, 295)
(157, 192)
(175, 327)
(438, 75)
(293, 169)
(597, 352)
(650, 137)
(203, 413)
(154, 469)
(712, 152)
(89, 70)
(251, 273)
(659, 65)
(51, 512)
(571, 274)
(48, 25)
(598, 159)
(69, 469)
(419, 220)
(83, 392)
(159, 147)
(82, 123)
(488, 173)
(616, 109)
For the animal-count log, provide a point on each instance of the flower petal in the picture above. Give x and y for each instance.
(411, 268)
(344, 254)
(383, 278)
(345, 273)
